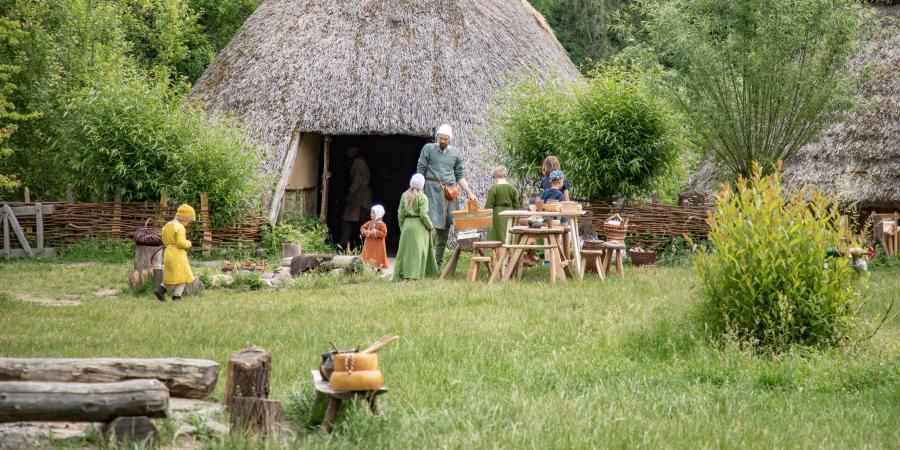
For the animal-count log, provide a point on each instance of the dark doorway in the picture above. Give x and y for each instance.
(391, 160)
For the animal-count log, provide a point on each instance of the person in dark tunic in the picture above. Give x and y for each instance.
(555, 193)
(442, 164)
(501, 197)
(415, 256)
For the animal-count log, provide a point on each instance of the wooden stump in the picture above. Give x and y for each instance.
(146, 257)
(304, 263)
(131, 431)
(248, 374)
(188, 378)
(290, 250)
(82, 402)
(350, 264)
(255, 414)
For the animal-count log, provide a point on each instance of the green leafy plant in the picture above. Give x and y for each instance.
(767, 280)
(612, 134)
(249, 281)
(757, 80)
(309, 231)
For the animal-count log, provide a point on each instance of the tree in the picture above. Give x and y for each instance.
(584, 27)
(758, 79)
(10, 34)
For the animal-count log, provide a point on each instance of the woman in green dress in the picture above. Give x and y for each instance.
(501, 196)
(415, 257)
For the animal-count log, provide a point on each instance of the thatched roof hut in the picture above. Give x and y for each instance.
(374, 74)
(856, 160)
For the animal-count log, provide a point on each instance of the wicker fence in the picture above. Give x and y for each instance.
(651, 224)
(71, 222)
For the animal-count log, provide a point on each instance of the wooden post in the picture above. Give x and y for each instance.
(39, 227)
(248, 374)
(117, 217)
(27, 195)
(70, 193)
(204, 223)
(6, 249)
(256, 414)
(163, 206)
(325, 176)
(14, 223)
(133, 431)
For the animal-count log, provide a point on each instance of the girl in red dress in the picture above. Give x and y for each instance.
(374, 251)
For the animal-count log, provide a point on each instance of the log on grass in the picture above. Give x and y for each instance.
(81, 402)
(255, 414)
(304, 263)
(188, 378)
(248, 374)
(350, 264)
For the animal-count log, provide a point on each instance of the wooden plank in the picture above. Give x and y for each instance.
(14, 224)
(32, 210)
(188, 378)
(84, 402)
(39, 226)
(27, 195)
(70, 193)
(325, 176)
(287, 167)
(117, 218)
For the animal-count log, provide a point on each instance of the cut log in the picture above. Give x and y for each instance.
(248, 374)
(84, 402)
(350, 264)
(304, 263)
(290, 250)
(131, 431)
(256, 414)
(188, 378)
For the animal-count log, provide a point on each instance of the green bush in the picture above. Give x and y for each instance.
(308, 231)
(247, 281)
(610, 132)
(767, 280)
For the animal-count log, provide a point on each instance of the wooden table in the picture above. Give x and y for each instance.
(324, 391)
(510, 261)
(513, 215)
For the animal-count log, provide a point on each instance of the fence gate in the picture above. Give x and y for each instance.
(9, 216)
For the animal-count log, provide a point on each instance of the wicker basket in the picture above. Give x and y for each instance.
(616, 232)
(647, 258)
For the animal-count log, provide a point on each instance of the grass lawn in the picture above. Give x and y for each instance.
(619, 364)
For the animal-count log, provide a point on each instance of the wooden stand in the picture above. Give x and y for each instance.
(335, 398)
(592, 261)
(610, 249)
(248, 374)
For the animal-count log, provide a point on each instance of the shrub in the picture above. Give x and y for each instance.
(767, 280)
(247, 281)
(309, 232)
(611, 134)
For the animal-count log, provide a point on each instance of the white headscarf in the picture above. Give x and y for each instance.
(378, 210)
(417, 181)
(445, 130)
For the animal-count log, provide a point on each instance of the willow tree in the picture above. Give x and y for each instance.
(758, 79)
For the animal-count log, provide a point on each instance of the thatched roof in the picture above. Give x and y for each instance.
(856, 160)
(377, 67)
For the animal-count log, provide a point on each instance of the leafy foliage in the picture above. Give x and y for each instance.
(768, 280)
(310, 232)
(611, 133)
(759, 79)
(585, 27)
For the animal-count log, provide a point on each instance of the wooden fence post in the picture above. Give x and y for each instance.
(70, 193)
(163, 205)
(204, 223)
(6, 246)
(117, 218)
(39, 227)
(27, 195)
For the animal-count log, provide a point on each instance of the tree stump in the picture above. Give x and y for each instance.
(256, 414)
(130, 431)
(146, 257)
(248, 374)
(290, 250)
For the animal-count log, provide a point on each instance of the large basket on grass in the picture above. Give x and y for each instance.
(616, 232)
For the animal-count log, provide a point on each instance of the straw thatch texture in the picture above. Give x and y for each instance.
(378, 67)
(856, 160)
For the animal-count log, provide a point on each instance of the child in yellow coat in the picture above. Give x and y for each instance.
(176, 269)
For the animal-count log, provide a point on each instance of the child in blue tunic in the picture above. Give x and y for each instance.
(554, 192)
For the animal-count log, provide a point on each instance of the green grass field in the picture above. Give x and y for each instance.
(620, 364)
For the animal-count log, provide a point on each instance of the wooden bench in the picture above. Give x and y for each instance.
(335, 398)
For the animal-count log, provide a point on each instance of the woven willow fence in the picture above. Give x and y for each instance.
(652, 224)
